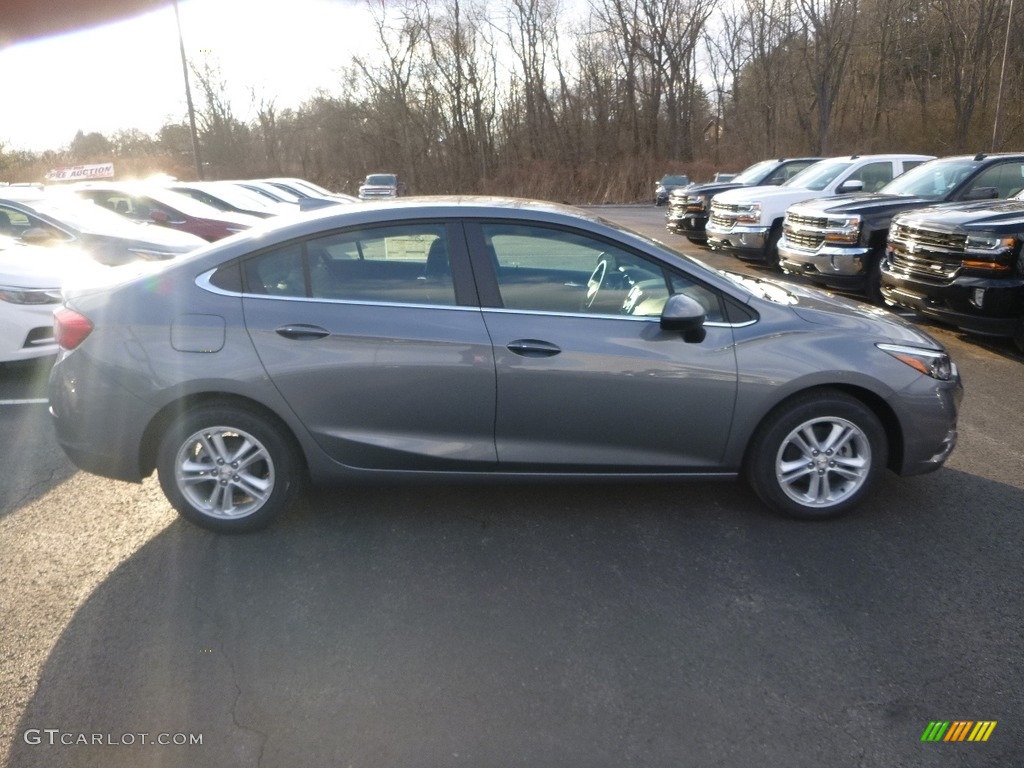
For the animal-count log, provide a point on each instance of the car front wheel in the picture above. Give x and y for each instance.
(226, 469)
(818, 456)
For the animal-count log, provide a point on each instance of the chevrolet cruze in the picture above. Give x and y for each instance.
(484, 338)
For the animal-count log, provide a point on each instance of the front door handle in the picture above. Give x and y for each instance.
(533, 348)
(301, 331)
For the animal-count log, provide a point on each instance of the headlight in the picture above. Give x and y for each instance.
(697, 202)
(30, 295)
(845, 229)
(749, 214)
(990, 242)
(989, 252)
(930, 362)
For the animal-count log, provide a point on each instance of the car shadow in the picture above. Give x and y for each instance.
(33, 463)
(545, 625)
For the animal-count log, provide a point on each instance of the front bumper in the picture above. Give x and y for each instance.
(692, 225)
(833, 265)
(746, 242)
(975, 304)
(929, 412)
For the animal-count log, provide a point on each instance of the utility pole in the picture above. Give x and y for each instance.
(188, 98)
(997, 122)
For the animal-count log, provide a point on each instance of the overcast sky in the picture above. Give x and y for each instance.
(128, 74)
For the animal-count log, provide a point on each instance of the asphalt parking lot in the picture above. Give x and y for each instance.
(537, 625)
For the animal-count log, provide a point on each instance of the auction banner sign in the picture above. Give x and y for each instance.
(77, 172)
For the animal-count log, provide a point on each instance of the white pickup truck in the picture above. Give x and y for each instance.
(747, 222)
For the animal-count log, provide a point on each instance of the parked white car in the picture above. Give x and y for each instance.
(31, 278)
(747, 222)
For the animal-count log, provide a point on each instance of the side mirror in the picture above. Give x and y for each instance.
(158, 217)
(851, 185)
(37, 236)
(982, 193)
(686, 316)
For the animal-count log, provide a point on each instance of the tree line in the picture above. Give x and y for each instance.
(589, 104)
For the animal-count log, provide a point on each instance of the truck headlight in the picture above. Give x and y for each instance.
(749, 214)
(844, 229)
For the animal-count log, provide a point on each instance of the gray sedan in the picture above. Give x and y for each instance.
(485, 338)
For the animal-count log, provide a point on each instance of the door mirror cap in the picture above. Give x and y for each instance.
(852, 185)
(686, 316)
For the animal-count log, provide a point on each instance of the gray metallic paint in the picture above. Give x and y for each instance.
(439, 413)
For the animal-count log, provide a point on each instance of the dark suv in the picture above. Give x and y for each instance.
(689, 208)
(840, 242)
(961, 265)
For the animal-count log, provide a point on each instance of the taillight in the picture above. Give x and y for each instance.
(70, 328)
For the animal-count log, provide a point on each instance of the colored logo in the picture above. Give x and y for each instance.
(958, 730)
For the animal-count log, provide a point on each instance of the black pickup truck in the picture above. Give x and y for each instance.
(961, 265)
(690, 208)
(840, 241)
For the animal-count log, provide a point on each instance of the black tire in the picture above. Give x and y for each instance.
(1018, 335)
(873, 282)
(771, 248)
(250, 483)
(800, 436)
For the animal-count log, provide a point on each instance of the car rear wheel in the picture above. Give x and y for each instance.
(817, 456)
(226, 469)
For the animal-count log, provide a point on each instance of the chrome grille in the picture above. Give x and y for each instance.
(926, 253)
(808, 240)
(930, 238)
(799, 220)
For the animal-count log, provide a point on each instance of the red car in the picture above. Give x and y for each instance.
(155, 205)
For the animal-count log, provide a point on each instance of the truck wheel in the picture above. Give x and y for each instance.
(771, 250)
(873, 284)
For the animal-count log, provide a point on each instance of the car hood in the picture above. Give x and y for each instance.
(778, 197)
(866, 203)
(986, 214)
(823, 308)
(29, 266)
(706, 189)
(153, 237)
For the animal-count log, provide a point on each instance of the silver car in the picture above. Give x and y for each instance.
(470, 338)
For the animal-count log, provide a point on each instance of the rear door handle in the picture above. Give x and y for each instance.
(300, 331)
(533, 348)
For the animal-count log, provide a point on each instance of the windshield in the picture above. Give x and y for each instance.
(819, 175)
(303, 184)
(183, 203)
(235, 196)
(755, 172)
(766, 289)
(270, 191)
(381, 179)
(675, 180)
(933, 179)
